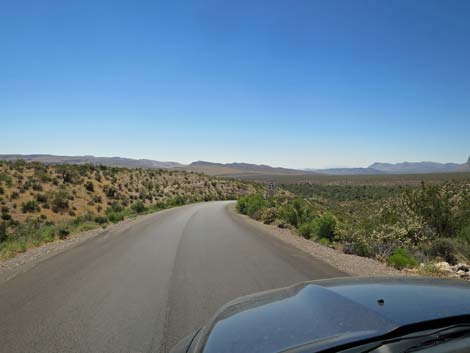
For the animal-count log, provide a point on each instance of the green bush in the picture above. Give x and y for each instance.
(325, 226)
(325, 241)
(138, 207)
(289, 214)
(250, 204)
(401, 259)
(114, 217)
(305, 230)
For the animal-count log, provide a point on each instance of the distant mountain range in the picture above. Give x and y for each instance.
(401, 168)
(239, 169)
(245, 169)
(108, 161)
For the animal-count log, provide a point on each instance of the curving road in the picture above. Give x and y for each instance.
(141, 288)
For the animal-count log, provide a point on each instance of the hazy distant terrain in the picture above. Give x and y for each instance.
(401, 168)
(240, 169)
(246, 170)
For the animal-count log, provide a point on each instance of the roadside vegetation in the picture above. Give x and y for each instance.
(406, 225)
(41, 203)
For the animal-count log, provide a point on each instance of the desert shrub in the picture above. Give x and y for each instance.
(464, 234)
(101, 219)
(69, 173)
(6, 216)
(324, 241)
(14, 195)
(30, 206)
(62, 231)
(305, 230)
(110, 191)
(325, 226)
(2, 190)
(138, 207)
(250, 204)
(115, 207)
(37, 187)
(89, 186)
(442, 248)
(41, 198)
(115, 217)
(289, 214)
(359, 249)
(440, 206)
(401, 259)
(60, 201)
(3, 232)
(267, 215)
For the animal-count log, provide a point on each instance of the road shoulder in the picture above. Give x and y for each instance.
(349, 264)
(10, 268)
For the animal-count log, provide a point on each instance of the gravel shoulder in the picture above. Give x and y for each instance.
(350, 264)
(10, 268)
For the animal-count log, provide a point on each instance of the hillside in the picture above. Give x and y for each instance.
(40, 202)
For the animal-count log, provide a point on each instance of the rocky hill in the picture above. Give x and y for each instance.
(56, 193)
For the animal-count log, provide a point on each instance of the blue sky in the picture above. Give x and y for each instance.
(287, 83)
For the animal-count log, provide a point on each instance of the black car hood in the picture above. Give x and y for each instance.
(330, 313)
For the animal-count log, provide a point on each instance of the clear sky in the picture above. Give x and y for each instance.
(288, 83)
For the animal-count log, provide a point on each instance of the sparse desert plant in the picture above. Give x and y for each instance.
(3, 232)
(30, 206)
(89, 186)
(6, 216)
(60, 201)
(41, 198)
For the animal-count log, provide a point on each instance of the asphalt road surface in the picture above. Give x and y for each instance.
(142, 288)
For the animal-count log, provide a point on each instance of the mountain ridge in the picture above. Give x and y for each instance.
(244, 169)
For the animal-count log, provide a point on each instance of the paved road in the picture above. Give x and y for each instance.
(141, 288)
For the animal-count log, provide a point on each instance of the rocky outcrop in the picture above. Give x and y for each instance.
(460, 270)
